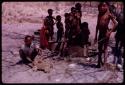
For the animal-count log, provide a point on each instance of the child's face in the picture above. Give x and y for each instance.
(103, 8)
(50, 13)
(58, 19)
(67, 17)
(77, 14)
(28, 41)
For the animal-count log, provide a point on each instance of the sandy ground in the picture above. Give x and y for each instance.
(76, 71)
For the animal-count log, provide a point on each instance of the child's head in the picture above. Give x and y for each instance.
(66, 15)
(78, 6)
(28, 40)
(73, 10)
(77, 14)
(58, 18)
(50, 12)
(103, 7)
(84, 25)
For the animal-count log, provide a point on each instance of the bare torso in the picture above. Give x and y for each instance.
(103, 21)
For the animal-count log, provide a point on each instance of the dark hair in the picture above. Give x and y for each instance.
(77, 5)
(101, 3)
(58, 17)
(27, 37)
(84, 24)
(50, 10)
(66, 14)
(73, 9)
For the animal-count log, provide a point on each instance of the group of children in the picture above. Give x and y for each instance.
(76, 33)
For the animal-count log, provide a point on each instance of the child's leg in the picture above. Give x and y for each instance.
(52, 33)
(85, 51)
(105, 50)
(60, 36)
(100, 48)
(119, 56)
(58, 46)
(33, 55)
(23, 56)
(57, 36)
(116, 50)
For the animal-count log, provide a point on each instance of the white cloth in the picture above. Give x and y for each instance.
(28, 50)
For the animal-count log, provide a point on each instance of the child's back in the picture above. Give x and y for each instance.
(85, 31)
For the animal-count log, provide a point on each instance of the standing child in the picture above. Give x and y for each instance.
(119, 38)
(104, 17)
(78, 8)
(60, 28)
(50, 23)
(85, 37)
(67, 24)
(60, 32)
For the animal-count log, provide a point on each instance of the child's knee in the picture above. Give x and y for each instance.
(21, 52)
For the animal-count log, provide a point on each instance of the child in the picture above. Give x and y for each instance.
(78, 8)
(75, 26)
(85, 32)
(50, 23)
(119, 38)
(85, 37)
(60, 28)
(60, 32)
(67, 24)
(44, 36)
(28, 51)
(104, 17)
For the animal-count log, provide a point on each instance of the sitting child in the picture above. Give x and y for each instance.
(28, 51)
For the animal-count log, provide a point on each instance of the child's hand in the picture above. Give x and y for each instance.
(108, 34)
(112, 16)
(47, 32)
(37, 47)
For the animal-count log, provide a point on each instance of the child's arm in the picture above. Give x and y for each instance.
(61, 26)
(113, 18)
(55, 21)
(115, 23)
(88, 31)
(95, 40)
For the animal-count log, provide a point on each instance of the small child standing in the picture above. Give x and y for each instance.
(85, 37)
(86, 32)
(67, 25)
(60, 28)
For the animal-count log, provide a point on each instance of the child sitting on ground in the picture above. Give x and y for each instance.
(28, 51)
